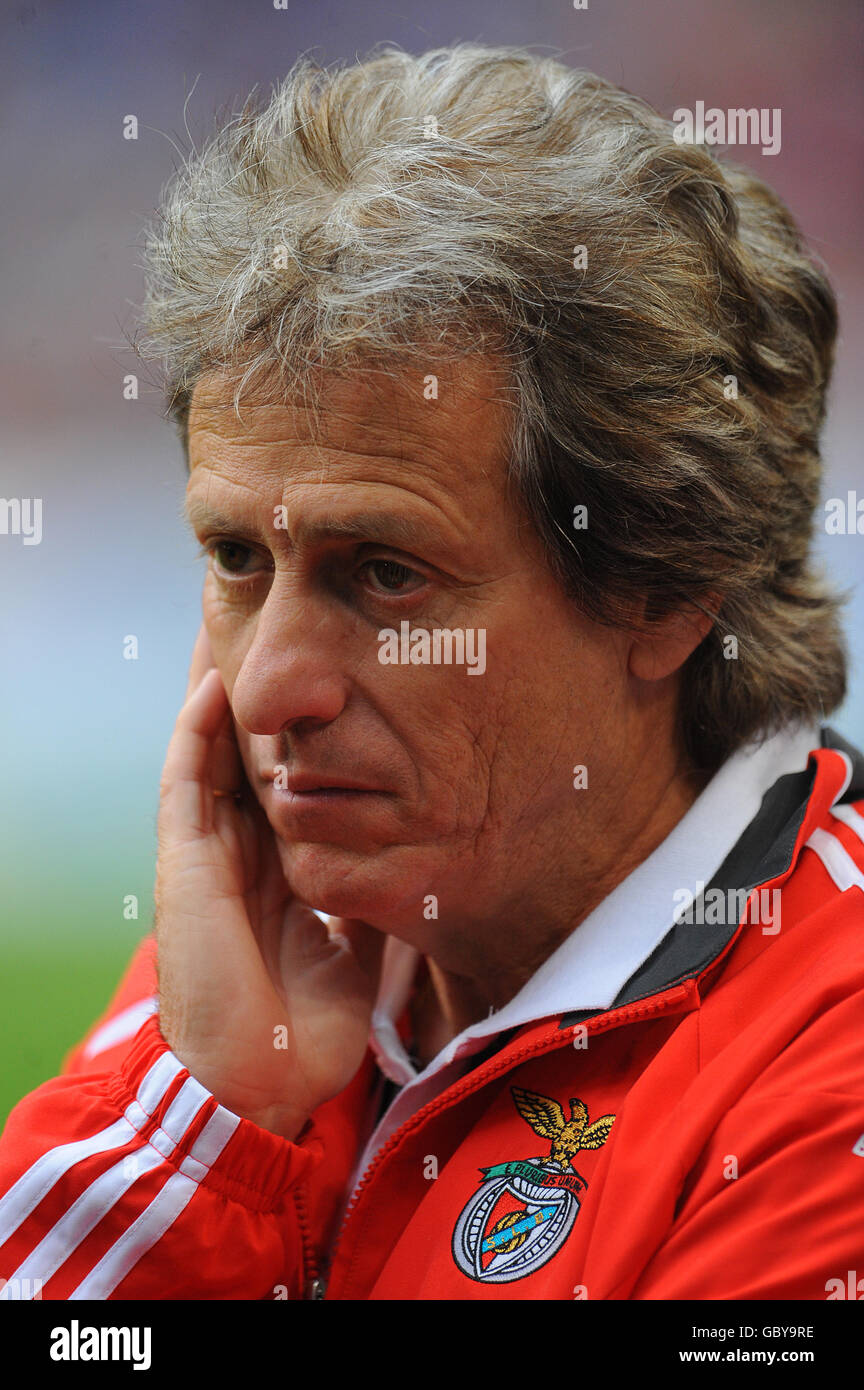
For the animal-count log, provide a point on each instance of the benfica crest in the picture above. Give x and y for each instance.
(524, 1210)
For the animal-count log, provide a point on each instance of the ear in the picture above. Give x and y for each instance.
(665, 644)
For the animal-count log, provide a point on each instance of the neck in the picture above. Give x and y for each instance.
(507, 958)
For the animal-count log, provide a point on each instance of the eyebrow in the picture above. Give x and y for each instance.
(200, 515)
(383, 528)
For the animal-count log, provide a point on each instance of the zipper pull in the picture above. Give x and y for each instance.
(316, 1289)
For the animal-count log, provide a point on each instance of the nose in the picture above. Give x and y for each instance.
(291, 673)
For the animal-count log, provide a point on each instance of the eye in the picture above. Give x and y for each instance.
(229, 555)
(391, 577)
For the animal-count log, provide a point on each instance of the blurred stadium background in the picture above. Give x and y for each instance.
(83, 730)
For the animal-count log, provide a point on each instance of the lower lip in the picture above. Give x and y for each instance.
(327, 800)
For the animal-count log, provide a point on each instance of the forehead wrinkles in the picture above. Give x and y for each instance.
(400, 511)
(444, 453)
(369, 414)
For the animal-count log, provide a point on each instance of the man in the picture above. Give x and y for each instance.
(509, 913)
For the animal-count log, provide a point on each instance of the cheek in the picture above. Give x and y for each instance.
(455, 727)
(229, 631)
(545, 712)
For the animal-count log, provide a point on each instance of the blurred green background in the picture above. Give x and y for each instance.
(48, 1000)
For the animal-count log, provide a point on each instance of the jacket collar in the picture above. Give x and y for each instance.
(766, 851)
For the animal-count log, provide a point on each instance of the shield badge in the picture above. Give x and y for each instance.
(524, 1210)
(516, 1221)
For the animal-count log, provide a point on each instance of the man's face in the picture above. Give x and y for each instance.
(417, 795)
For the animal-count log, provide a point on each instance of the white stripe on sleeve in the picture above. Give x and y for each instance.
(27, 1192)
(838, 862)
(160, 1215)
(850, 817)
(105, 1191)
(76, 1224)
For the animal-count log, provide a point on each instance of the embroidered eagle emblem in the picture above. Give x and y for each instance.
(546, 1118)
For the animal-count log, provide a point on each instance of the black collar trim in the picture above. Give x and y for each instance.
(687, 949)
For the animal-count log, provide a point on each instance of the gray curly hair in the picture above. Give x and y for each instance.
(670, 376)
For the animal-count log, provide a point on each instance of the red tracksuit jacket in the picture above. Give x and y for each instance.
(703, 1138)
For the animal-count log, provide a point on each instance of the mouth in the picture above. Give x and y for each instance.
(307, 784)
(323, 809)
(305, 802)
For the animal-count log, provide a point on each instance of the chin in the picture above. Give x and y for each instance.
(383, 888)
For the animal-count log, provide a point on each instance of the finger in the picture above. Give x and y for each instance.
(186, 787)
(226, 768)
(226, 765)
(202, 660)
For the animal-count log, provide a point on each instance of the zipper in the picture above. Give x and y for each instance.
(473, 1082)
(315, 1286)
